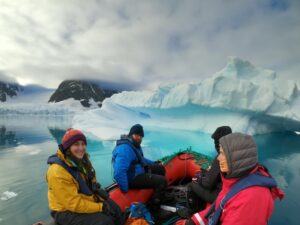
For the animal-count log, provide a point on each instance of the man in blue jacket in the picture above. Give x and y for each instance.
(133, 170)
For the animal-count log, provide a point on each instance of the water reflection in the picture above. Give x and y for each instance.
(277, 145)
(57, 134)
(23, 165)
(280, 152)
(7, 137)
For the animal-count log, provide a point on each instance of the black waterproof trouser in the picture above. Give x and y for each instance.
(71, 218)
(190, 222)
(153, 178)
(100, 218)
(198, 196)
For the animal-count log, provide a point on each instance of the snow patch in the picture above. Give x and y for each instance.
(34, 152)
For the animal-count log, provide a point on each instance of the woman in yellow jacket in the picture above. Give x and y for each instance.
(74, 195)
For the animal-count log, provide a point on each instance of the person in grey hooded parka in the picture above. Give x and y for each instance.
(251, 205)
(241, 154)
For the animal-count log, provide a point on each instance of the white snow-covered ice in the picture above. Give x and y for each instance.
(69, 106)
(249, 99)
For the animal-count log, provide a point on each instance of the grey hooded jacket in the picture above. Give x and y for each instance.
(241, 154)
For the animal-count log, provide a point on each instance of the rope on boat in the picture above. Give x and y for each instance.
(202, 160)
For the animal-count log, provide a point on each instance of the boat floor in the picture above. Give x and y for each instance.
(163, 215)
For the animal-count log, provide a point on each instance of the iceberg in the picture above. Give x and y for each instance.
(240, 86)
(249, 99)
(108, 122)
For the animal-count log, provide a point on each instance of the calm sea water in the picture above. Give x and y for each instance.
(26, 143)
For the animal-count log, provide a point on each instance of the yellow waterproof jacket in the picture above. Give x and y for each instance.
(63, 191)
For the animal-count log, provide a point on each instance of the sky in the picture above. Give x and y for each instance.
(140, 43)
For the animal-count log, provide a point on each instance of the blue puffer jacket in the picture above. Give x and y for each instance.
(126, 163)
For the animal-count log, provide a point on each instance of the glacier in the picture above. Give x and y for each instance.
(31, 107)
(247, 98)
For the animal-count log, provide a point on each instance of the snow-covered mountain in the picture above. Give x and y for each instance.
(8, 90)
(11, 92)
(248, 98)
(87, 93)
(30, 99)
(69, 98)
(31, 94)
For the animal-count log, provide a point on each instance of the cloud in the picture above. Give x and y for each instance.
(6, 79)
(144, 43)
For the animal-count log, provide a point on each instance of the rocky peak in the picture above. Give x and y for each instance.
(83, 91)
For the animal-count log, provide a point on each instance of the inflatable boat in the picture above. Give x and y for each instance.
(180, 166)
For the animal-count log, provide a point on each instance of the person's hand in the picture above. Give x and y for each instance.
(204, 171)
(197, 177)
(158, 162)
(102, 193)
(108, 209)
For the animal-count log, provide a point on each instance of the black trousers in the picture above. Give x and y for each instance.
(198, 196)
(70, 218)
(153, 178)
(189, 222)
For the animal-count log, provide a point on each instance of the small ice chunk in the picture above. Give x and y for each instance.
(8, 195)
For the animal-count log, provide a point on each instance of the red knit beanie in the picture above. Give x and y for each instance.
(71, 136)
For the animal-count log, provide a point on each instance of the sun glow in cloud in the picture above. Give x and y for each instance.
(24, 81)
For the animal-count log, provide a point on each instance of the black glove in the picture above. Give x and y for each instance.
(198, 177)
(112, 209)
(108, 209)
(102, 193)
(190, 222)
(147, 169)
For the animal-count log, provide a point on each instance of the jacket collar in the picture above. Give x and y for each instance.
(229, 182)
(63, 158)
